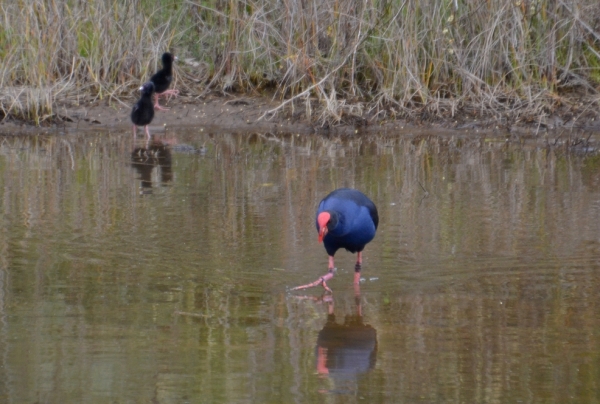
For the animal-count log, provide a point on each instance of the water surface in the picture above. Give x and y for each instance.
(159, 272)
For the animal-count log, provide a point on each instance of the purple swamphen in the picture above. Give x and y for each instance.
(346, 218)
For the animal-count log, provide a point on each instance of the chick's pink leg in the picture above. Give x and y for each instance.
(156, 104)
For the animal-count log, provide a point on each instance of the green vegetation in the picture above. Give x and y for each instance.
(516, 60)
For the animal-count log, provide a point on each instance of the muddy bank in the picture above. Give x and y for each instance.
(236, 113)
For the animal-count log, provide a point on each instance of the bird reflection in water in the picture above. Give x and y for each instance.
(347, 350)
(154, 153)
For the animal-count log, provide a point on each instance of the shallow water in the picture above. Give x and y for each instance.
(136, 273)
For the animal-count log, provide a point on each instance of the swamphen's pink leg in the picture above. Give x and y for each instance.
(357, 268)
(322, 280)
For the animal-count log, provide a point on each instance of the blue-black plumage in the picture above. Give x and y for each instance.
(163, 78)
(142, 112)
(349, 220)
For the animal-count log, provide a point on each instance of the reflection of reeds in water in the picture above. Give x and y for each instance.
(489, 339)
(254, 175)
(73, 217)
(280, 179)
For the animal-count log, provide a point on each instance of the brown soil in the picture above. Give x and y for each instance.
(227, 113)
(247, 114)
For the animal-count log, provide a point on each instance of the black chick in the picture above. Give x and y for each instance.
(143, 110)
(162, 80)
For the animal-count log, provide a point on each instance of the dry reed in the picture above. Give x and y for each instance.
(333, 61)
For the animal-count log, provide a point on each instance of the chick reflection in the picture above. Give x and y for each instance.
(155, 153)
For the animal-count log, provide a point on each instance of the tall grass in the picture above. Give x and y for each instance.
(333, 60)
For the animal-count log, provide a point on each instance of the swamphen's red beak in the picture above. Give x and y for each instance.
(323, 219)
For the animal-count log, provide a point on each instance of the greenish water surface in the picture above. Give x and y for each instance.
(134, 272)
